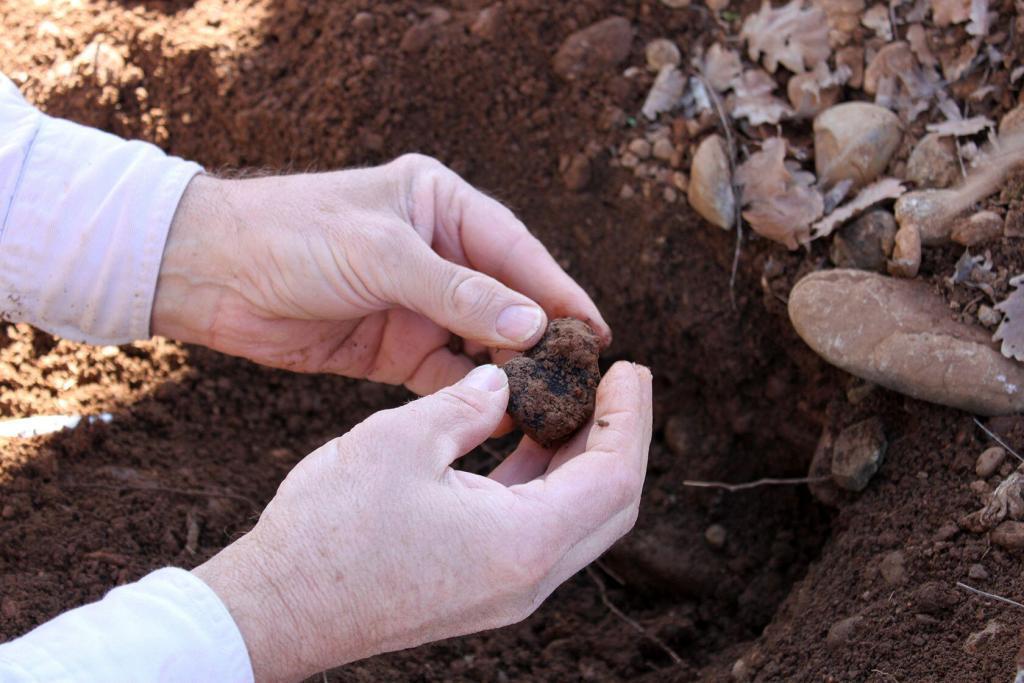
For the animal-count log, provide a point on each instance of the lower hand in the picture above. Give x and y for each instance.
(364, 273)
(375, 543)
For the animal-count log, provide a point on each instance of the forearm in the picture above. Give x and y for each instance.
(85, 217)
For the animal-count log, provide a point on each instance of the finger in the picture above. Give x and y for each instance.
(525, 463)
(472, 305)
(441, 368)
(479, 231)
(590, 488)
(439, 428)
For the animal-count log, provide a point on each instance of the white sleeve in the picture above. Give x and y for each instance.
(84, 216)
(168, 627)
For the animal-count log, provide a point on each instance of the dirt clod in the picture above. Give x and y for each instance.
(554, 384)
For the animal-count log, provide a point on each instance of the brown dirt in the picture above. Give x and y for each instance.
(552, 386)
(199, 441)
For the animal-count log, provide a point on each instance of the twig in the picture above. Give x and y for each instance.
(754, 484)
(730, 145)
(603, 592)
(165, 489)
(1000, 598)
(999, 441)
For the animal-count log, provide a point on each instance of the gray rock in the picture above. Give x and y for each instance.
(933, 162)
(854, 141)
(858, 453)
(977, 572)
(866, 243)
(594, 49)
(899, 334)
(841, 631)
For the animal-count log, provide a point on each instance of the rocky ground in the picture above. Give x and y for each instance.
(870, 145)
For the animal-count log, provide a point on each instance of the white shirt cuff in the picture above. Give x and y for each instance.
(168, 627)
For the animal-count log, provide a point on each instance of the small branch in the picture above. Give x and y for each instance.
(995, 437)
(164, 489)
(754, 484)
(1000, 598)
(603, 592)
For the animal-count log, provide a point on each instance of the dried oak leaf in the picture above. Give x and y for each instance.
(843, 18)
(780, 201)
(1007, 501)
(754, 101)
(1011, 331)
(980, 18)
(795, 37)
(886, 188)
(898, 81)
(962, 127)
(721, 67)
(946, 12)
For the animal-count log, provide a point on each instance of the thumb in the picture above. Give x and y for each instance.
(442, 427)
(468, 303)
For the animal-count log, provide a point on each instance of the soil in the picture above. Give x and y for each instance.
(792, 590)
(552, 386)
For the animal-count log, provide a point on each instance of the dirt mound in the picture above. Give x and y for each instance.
(783, 588)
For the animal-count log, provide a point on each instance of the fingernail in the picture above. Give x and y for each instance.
(486, 378)
(519, 323)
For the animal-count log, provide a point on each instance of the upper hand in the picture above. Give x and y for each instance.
(375, 543)
(364, 273)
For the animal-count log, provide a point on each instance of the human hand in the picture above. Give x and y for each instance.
(374, 543)
(364, 273)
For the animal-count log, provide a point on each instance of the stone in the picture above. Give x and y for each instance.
(933, 163)
(989, 461)
(989, 316)
(899, 334)
(858, 453)
(892, 568)
(928, 211)
(842, 631)
(575, 171)
(906, 252)
(489, 22)
(865, 243)
(663, 149)
(661, 52)
(980, 640)
(710, 187)
(421, 34)
(363, 21)
(854, 141)
(979, 228)
(935, 598)
(640, 147)
(594, 49)
(715, 535)
(977, 572)
(1009, 534)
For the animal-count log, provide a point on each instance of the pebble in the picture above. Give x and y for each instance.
(933, 162)
(489, 22)
(935, 597)
(906, 252)
(988, 315)
(841, 631)
(982, 227)
(640, 147)
(627, 192)
(363, 21)
(866, 243)
(977, 572)
(670, 195)
(989, 461)
(926, 210)
(576, 171)
(858, 453)
(663, 149)
(661, 52)
(418, 36)
(679, 436)
(809, 99)
(892, 568)
(680, 181)
(594, 49)
(1009, 534)
(899, 334)
(854, 141)
(710, 188)
(715, 535)
(982, 639)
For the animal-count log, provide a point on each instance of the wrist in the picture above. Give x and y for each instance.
(195, 269)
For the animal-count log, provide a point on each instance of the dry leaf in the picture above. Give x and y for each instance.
(1011, 331)
(754, 101)
(721, 67)
(1007, 501)
(886, 188)
(898, 82)
(980, 18)
(780, 202)
(962, 127)
(792, 36)
(877, 19)
(918, 40)
(843, 18)
(666, 92)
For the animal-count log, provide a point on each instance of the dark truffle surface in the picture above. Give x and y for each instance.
(553, 385)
